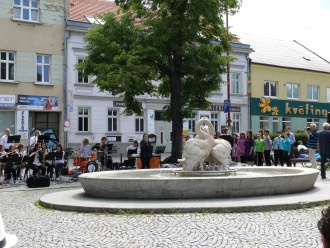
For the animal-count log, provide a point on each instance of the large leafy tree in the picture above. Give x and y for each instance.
(165, 48)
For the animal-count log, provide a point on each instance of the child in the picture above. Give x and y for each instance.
(287, 149)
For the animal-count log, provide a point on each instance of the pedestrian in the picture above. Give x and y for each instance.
(313, 139)
(324, 227)
(240, 147)
(235, 151)
(145, 152)
(259, 147)
(287, 150)
(292, 139)
(267, 147)
(248, 147)
(324, 147)
(278, 148)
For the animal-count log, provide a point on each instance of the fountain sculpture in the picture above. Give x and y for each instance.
(193, 181)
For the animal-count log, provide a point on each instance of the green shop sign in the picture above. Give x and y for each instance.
(273, 107)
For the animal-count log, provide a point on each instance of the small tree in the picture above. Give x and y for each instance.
(166, 48)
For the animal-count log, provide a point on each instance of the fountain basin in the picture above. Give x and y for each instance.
(166, 184)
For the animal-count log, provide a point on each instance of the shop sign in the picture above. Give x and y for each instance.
(37, 102)
(7, 101)
(273, 107)
(22, 118)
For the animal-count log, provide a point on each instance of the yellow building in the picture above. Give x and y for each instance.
(32, 49)
(290, 85)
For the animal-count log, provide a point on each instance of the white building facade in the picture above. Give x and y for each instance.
(94, 114)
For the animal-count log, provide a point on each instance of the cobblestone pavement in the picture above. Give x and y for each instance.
(37, 227)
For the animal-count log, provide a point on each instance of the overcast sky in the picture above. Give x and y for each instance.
(307, 21)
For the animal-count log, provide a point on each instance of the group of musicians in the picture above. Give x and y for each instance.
(13, 158)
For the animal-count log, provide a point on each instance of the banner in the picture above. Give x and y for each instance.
(22, 123)
(151, 121)
(37, 102)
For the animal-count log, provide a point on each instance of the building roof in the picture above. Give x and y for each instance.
(87, 10)
(282, 53)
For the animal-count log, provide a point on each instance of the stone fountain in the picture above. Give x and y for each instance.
(193, 181)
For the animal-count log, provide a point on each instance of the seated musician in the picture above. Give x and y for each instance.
(104, 153)
(60, 160)
(132, 149)
(11, 163)
(49, 165)
(35, 160)
(2, 158)
(21, 153)
(85, 149)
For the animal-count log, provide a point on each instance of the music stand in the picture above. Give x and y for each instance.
(14, 139)
(44, 138)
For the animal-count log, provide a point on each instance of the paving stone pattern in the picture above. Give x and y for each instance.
(37, 227)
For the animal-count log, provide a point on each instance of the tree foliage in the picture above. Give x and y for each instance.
(165, 48)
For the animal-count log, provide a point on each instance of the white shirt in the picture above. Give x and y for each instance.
(302, 147)
(4, 140)
(33, 140)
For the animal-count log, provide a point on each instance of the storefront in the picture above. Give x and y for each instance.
(32, 112)
(274, 114)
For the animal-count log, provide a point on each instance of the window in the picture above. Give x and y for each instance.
(112, 120)
(270, 89)
(43, 68)
(328, 94)
(236, 121)
(83, 119)
(235, 83)
(82, 77)
(7, 69)
(275, 124)
(264, 122)
(139, 124)
(313, 93)
(292, 91)
(27, 10)
(313, 120)
(215, 121)
(286, 122)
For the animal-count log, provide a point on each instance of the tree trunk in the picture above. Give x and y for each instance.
(177, 124)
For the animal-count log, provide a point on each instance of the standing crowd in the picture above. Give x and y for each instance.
(262, 150)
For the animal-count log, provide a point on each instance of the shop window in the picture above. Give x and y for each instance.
(83, 119)
(264, 123)
(275, 122)
(292, 91)
(313, 120)
(270, 89)
(313, 93)
(7, 66)
(285, 123)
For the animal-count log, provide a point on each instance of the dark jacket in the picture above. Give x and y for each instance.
(145, 149)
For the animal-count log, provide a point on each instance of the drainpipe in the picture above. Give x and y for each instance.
(65, 109)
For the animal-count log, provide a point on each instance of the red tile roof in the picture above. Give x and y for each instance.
(81, 8)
